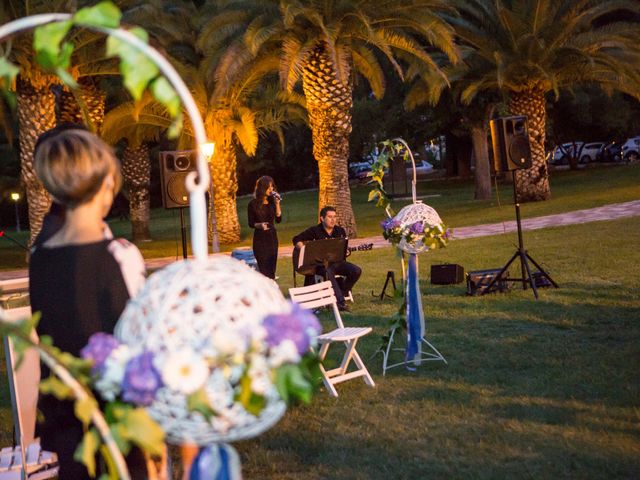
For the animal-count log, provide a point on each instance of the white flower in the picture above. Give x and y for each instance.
(184, 371)
(260, 375)
(286, 352)
(229, 342)
(111, 379)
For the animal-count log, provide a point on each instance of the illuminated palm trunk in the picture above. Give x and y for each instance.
(36, 114)
(224, 180)
(533, 183)
(329, 106)
(93, 99)
(136, 171)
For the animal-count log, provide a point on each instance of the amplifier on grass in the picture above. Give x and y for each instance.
(479, 280)
(447, 274)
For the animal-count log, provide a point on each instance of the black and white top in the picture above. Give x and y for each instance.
(83, 289)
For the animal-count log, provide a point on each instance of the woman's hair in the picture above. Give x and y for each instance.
(262, 185)
(73, 163)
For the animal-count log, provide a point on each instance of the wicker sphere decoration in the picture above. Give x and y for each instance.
(203, 306)
(416, 212)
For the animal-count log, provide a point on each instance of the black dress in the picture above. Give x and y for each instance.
(79, 290)
(265, 242)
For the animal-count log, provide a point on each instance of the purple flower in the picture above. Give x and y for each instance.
(417, 228)
(299, 326)
(141, 380)
(98, 349)
(447, 234)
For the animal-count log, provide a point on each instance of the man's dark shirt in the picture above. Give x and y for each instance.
(317, 232)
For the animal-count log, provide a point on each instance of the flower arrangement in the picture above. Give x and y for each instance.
(248, 359)
(172, 385)
(419, 232)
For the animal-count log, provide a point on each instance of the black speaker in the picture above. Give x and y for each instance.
(174, 168)
(447, 274)
(510, 139)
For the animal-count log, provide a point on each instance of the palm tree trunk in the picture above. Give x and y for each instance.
(329, 104)
(224, 181)
(36, 114)
(136, 170)
(481, 151)
(532, 184)
(69, 111)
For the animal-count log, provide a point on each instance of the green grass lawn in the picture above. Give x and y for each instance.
(533, 389)
(538, 389)
(453, 199)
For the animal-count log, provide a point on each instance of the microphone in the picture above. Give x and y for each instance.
(276, 196)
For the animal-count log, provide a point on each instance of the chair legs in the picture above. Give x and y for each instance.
(339, 374)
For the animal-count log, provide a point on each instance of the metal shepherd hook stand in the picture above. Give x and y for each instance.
(417, 212)
(525, 270)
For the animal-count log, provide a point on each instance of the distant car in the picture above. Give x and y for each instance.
(631, 149)
(591, 152)
(562, 153)
(422, 168)
(612, 152)
(357, 168)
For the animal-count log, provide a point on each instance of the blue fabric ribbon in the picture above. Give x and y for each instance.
(216, 462)
(415, 315)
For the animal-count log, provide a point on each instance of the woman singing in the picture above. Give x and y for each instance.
(264, 212)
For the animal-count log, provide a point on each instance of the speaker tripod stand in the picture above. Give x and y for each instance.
(523, 256)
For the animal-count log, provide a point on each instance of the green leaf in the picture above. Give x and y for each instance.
(54, 386)
(8, 72)
(165, 94)
(144, 431)
(105, 14)
(290, 382)
(199, 402)
(120, 436)
(84, 409)
(86, 451)
(48, 38)
(136, 68)
(176, 127)
(251, 402)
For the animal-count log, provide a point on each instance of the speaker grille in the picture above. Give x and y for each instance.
(519, 151)
(177, 189)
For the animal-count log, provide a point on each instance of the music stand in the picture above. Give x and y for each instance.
(321, 252)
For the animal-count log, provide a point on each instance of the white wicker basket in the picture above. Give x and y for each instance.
(194, 305)
(416, 212)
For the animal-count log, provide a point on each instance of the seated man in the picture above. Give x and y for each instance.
(327, 228)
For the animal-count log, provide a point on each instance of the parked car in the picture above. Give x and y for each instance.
(357, 168)
(631, 149)
(562, 153)
(612, 152)
(422, 168)
(590, 152)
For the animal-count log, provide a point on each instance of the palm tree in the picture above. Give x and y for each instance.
(527, 48)
(233, 117)
(322, 44)
(427, 88)
(35, 103)
(139, 123)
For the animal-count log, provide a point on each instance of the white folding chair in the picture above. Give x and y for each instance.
(320, 295)
(26, 460)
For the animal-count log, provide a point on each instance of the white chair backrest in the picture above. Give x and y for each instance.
(23, 382)
(316, 296)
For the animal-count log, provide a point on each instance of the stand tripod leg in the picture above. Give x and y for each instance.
(499, 276)
(529, 277)
(541, 270)
(390, 276)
